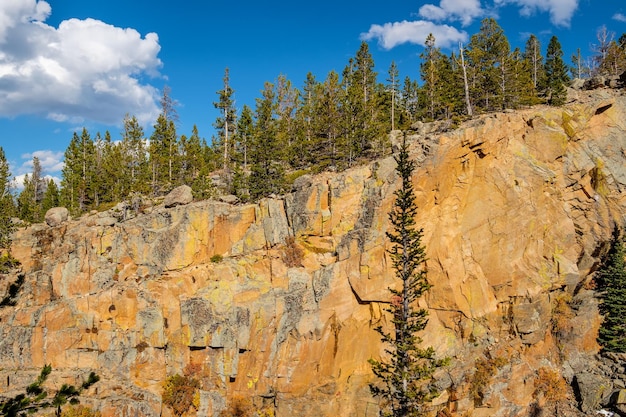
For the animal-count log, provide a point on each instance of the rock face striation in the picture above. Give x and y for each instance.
(277, 302)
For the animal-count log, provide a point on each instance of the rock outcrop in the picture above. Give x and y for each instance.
(517, 209)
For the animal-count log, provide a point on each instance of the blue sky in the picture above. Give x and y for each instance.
(65, 64)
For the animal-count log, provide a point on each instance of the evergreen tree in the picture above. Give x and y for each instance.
(194, 170)
(556, 74)
(245, 132)
(7, 207)
(392, 88)
(614, 62)
(50, 197)
(409, 102)
(430, 76)
(360, 105)
(532, 55)
(287, 101)
(488, 53)
(330, 143)
(405, 376)
(77, 173)
(29, 201)
(163, 155)
(579, 69)
(226, 122)
(135, 171)
(520, 83)
(612, 283)
(266, 175)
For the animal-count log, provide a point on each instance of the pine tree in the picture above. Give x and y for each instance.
(532, 54)
(287, 101)
(578, 69)
(614, 62)
(135, 170)
(612, 284)
(488, 53)
(361, 106)
(194, 169)
(329, 140)
(77, 173)
(226, 122)
(430, 66)
(29, 200)
(405, 376)
(392, 88)
(409, 102)
(7, 207)
(556, 74)
(163, 155)
(266, 175)
(50, 197)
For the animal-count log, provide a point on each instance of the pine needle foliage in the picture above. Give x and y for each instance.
(612, 284)
(405, 374)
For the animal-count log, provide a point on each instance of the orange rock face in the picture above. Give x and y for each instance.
(515, 215)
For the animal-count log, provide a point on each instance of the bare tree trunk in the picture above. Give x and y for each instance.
(468, 103)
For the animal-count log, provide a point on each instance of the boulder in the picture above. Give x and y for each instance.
(592, 390)
(56, 215)
(179, 196)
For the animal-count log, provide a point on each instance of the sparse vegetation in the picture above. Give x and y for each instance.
(486, 368)
(216, 259)
(80, 411)
(8, 262)
(562, 314)
(180, 393)
(292, 253)
(550, 390)
(238, 407)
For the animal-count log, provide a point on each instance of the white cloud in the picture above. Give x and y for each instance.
(620, 17)
(82, 70)
(561, 11)
(50, 161)
(464, 11)
(15, 12)
(391, 35)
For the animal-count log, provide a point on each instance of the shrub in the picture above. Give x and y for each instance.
(292, 253)
(80, 411)
(216, 259)
(238, 407)
(7, 262)
(485, 370)
(180, 393)
(561, 313)
(550, 385)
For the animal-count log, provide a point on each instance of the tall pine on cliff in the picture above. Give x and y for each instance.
(612, 283)
(7, 207)
(406, 372)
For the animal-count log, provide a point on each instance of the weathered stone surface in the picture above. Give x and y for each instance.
(593, 390)
(180, 195)
(56, 215)
(516, 208)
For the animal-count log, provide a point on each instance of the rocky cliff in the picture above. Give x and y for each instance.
(276, 302)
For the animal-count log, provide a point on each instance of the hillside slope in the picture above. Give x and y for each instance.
(517, 209)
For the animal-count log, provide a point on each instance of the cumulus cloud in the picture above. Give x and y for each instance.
(464, 11)
(561, 11)
(391, 35)
(620, 17)
(50, 161)
(82, 70)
